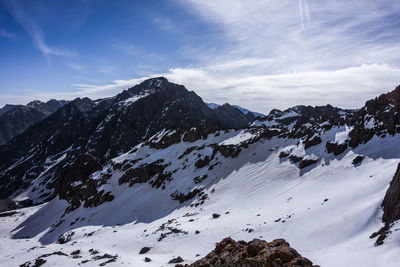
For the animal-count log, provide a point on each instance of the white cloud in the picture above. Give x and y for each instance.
(347, 87)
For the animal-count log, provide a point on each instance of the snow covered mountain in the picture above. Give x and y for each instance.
(154, 175)
(104, 129)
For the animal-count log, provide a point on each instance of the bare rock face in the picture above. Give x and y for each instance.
(391, 208)
(255, 253)
(336, 149)
(391, 202)
(7, 205)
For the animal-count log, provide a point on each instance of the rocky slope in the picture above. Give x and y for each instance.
(103, 129)
(15, 119)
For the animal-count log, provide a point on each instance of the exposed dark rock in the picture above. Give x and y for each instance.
(181, 197)
(307, 162)
(76, 252)
(284, 154)
(176, 260)
(391, 202)
(215, 215)
(144, 250)
(336, 149)
(255, 253)
(391, 208)
(7, 205)
(38, 262)
(147, 259)
(200, 179)
(316, 140)
(66, 237)
(202, 162)
(295, 158)
(86, 191)
(144, 172)
(358, 160)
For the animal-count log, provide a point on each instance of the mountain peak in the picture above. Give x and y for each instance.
(156, 82)
(35, 103)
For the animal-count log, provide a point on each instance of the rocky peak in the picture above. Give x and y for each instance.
(147, 87)
(35, 103)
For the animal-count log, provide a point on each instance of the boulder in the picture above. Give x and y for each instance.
(255, 253)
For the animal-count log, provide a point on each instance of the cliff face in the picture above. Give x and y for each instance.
(391, 202)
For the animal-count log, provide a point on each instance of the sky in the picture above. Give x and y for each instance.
(260, 54)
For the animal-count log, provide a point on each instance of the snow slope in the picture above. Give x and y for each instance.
(326, 211)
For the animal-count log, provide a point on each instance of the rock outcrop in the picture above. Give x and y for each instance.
(391, 208)
(255, 253)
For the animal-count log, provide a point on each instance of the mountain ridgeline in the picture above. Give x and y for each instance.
(15, 119)
(104, 129)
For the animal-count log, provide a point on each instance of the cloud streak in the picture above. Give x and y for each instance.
(34, 31)
(8, 35)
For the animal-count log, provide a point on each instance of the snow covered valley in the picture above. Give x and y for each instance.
(327, 211)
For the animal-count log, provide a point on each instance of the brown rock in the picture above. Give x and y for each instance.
(255, 253)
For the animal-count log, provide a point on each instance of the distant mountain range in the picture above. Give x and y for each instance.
(15, 119)
(243, 110)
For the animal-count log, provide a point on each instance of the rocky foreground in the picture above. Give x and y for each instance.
(255, 253)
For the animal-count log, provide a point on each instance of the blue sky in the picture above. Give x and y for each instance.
(260, 54)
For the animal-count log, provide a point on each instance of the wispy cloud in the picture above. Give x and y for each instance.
(265, 54)
(8, 35)
(306, 35)
(34, 31)
(76, 66)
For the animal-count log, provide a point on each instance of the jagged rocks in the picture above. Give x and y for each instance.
(7, 205)
(255, 253)
(226, 150)
(168, 139)
(284, 154)
(176, 260)
(391, 202)
(391, 208)
(295, 158)
(75, 186)
(357, 160)
(202, 162)
(145, 172)
(307, 162)
(316, 140)
(181, 197)
(65, 238)
(336, 149)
